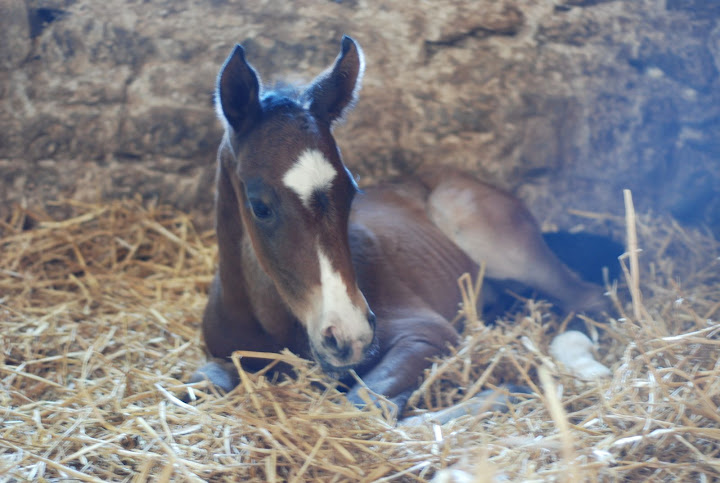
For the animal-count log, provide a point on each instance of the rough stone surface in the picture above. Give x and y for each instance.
(565, 103)
(15, 42)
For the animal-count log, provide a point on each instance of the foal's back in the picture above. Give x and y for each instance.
(403, 260)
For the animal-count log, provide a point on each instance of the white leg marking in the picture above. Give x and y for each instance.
(310, 173)
(573, 350)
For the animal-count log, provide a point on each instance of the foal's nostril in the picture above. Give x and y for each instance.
(330, 339)
(339, 348)
(371, 319)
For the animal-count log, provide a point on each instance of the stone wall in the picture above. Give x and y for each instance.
(565, 102)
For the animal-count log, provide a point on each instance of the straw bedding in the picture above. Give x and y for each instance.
(100, 320)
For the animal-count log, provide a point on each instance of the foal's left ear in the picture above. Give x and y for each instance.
(335, 91)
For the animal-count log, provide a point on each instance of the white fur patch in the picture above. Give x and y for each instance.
(574, 350)
(335, 309)
(336, 303)
(311, 172)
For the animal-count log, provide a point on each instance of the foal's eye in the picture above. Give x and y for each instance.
(260, 210)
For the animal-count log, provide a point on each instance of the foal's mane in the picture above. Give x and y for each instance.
(282, 94)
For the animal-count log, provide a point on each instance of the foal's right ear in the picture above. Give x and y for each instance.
(237, 99)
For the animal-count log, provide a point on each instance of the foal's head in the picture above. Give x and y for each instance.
(294, 196)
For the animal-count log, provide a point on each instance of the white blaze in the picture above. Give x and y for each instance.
(311, 172)
(334, 308)
(336, 302)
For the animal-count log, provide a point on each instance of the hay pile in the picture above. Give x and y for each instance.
(100, 325)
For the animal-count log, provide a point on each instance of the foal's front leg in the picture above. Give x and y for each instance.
(410, 344)
(229, 326)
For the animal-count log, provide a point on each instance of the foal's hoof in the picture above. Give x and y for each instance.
(222, 375)
(573, 349)
(393, 407)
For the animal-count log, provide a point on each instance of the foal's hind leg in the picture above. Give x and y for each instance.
(494, 227)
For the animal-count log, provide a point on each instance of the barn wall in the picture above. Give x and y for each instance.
(565, 102)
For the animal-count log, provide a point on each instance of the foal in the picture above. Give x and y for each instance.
(362, 280)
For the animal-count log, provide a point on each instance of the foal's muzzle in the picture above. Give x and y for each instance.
(341, 350)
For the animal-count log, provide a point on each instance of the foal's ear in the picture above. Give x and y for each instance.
(334, 91)
(237, 99)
